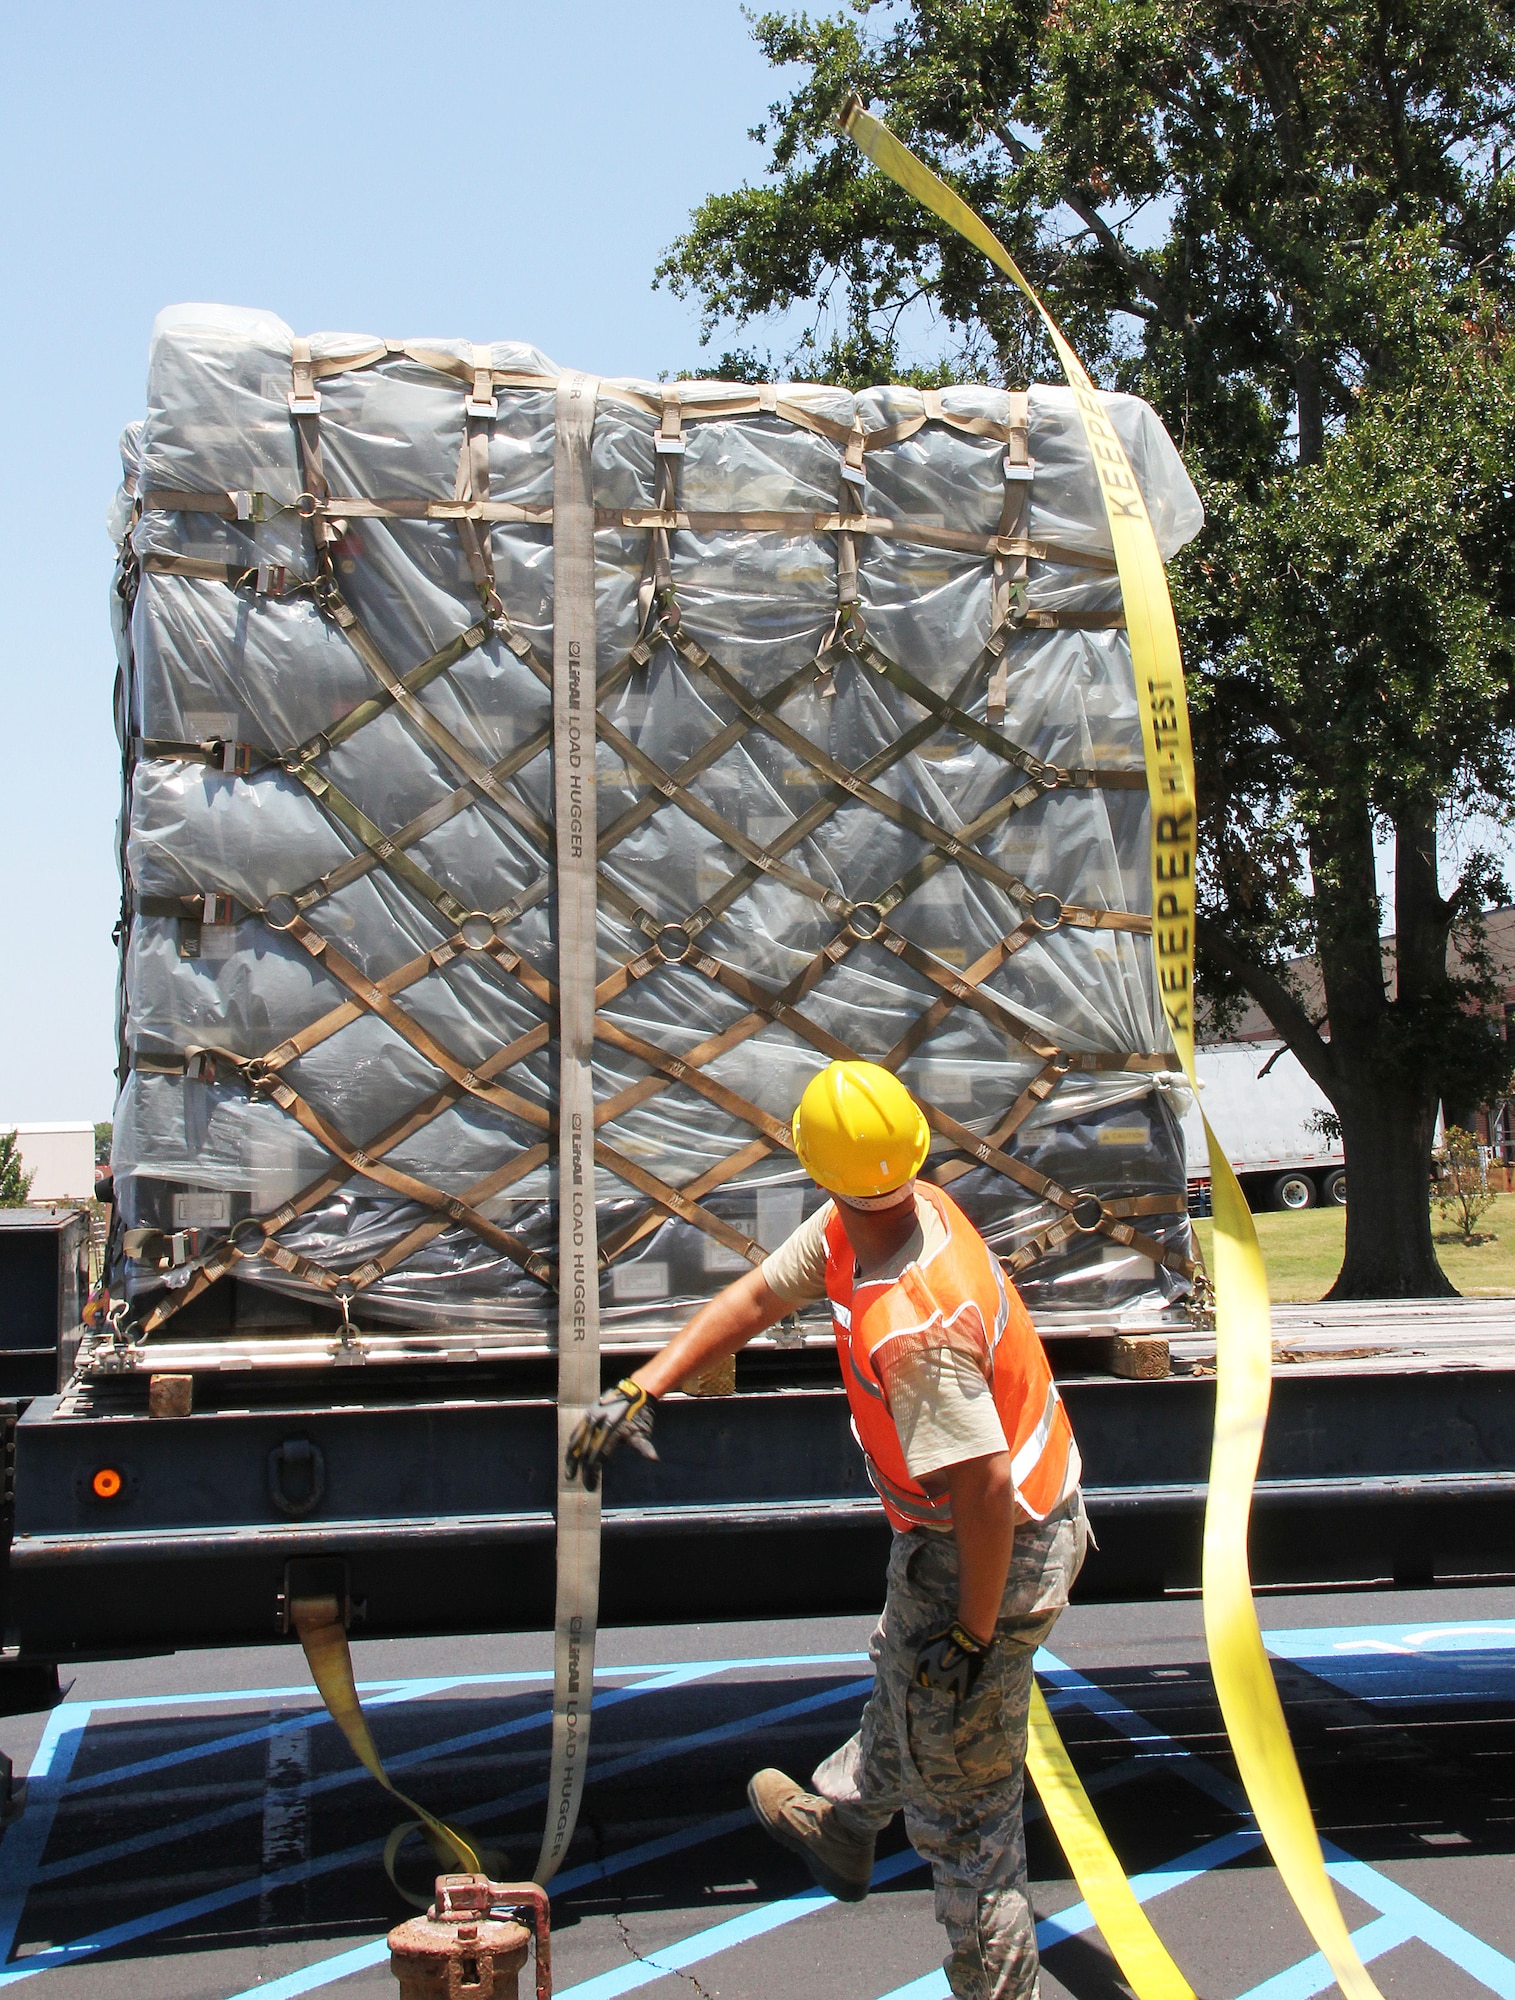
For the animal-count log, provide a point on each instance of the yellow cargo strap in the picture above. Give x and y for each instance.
(1244, 1354)
(318, 1622)
(1138, 1950)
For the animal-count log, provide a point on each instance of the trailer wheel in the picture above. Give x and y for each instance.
(1334, 1189)
(1294, 1191)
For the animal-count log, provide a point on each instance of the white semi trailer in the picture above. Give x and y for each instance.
(1265, 1110)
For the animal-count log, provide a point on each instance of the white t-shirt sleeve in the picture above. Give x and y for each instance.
(943, 1410)
(796, 1271)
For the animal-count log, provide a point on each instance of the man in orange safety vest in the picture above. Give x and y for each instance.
(970, 1451)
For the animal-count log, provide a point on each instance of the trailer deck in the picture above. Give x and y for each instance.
(1389, 1458)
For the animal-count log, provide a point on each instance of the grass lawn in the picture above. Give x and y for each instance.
(1303, 1251)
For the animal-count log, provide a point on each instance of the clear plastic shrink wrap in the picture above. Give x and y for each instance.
(338, 1084)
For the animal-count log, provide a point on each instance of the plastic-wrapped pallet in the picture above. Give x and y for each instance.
(869, 780)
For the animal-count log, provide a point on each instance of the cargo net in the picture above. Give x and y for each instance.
(869, 784)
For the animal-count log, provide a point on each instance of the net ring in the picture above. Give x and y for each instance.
(477, 931)
(1087, 1213)
(307, 505)
(271, 910)
(1046, 911)
(865, 920)
(673, 943)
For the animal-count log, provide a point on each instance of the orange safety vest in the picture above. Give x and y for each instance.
(954, 1297)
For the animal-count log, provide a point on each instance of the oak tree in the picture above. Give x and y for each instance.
(1287, 224)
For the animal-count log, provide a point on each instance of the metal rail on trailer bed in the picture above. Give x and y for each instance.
(1390, 1456)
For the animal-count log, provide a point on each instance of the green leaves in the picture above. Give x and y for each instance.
(1288, 224)
(15, 1181)
(1289, 227)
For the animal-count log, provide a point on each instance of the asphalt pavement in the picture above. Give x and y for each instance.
(196, 1829)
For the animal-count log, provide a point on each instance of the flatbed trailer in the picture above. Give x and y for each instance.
(1389, 1459)
(328, 1366)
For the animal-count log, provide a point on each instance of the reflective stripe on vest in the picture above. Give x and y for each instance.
(956, 1297)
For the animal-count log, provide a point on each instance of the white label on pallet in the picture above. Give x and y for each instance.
(779, 1213)
(719, 1258)
(639, 1281)
(202, 1208)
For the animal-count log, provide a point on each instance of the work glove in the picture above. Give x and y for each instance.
(622, 1412)
(951, 1662)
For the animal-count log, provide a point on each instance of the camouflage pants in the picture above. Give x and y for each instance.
(957, 1769)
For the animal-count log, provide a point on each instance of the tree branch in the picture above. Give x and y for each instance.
(1287, 1014)
(1078, 200)
(1422, 916)
(1308, 413)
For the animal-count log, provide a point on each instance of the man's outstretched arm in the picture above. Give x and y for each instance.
(719, 1328)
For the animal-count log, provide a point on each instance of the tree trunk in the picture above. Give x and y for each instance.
(1308, 411)
(1387, 1131)
(1386, 1088)
(1379, 1070)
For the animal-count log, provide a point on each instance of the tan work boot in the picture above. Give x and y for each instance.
(841, 1861)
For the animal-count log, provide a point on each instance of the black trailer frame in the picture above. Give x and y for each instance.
(439, 1507)
(425, 1493)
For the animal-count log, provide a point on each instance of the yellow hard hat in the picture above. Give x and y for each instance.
(859, 1132)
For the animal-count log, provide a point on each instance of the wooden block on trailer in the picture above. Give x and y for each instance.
(1139, 1357)
(170, 1395)
(717, 1380)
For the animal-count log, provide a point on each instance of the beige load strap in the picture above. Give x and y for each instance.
(573, 728)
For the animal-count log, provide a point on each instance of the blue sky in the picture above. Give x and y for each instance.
(489, 171)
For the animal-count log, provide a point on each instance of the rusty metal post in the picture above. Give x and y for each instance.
(460, 1950)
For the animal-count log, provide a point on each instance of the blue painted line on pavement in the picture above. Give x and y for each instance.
(194, 1907)
(1078, 1918)
(1381, 1892)
(1312, 1975)
(726, 1732)
(306, 1689)
(21, 1854)
(1476, 1957)
(1429, 1639)
(313, 1977)
(331, 1781)
(1405, 1915)
(1153, 1747)
(714, 1828)
(310, 1978)
(392, 1692)
(930, 1986)
(1472, 1660)
(214, 1746)
(726, 1936)
(1189, 1867)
